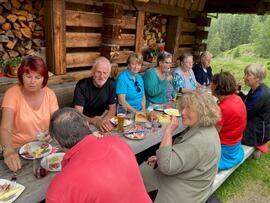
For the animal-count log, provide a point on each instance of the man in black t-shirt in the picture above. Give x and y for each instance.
(96, 94)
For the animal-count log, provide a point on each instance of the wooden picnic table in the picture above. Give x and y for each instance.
(36, 189)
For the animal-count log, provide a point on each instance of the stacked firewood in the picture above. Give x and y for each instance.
(21, 28)
(154, 29)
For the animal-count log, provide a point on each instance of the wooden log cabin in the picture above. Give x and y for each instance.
(75, 32)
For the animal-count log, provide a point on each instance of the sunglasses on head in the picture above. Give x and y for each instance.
(138, 89)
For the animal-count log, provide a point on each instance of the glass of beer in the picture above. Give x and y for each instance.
(121, 115)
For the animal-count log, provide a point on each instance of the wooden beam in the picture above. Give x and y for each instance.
(173, 34)
(139, 32)
(81, 59)
(184, 50)
(55, 36)
(122, 57)
(201, 5)
(86, 2)
(205, 22)
(163, 9)
(124, 41)
(201, 34)
(186, 39)
(78, 39)
(128, 22)
(83, 19)
(189, 27)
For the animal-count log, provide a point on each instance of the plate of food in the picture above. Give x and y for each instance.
(141, 117)
(52, 162)
(172, 112)
(9, 192)
(127, 121)
(35, 150)
(164, 118)
(134, 136)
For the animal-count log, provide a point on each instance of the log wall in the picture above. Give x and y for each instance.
(78, 31)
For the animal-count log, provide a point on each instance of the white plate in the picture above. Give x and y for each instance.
(46, 161)
(36, 147)
(135, 136)
(172, 112)
(17, 194)
(127, 122)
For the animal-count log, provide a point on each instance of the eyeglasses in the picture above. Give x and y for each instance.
(138, 89)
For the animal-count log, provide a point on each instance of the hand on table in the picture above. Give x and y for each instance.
(152, 161)
(104, 124)
(12, 160)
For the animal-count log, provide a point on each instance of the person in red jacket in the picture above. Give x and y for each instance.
(232, 124)
(94, 170)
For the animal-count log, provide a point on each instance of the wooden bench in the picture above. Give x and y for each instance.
(223, 175)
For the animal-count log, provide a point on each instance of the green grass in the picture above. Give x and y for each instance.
(250, 171)
(236, 66)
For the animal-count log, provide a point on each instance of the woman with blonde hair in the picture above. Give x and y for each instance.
(184, 170)
(130, 85)
(257, 101)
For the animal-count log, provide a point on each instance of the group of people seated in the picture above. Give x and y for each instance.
(105, 169)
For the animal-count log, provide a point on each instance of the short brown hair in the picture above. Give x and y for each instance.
(224, 84)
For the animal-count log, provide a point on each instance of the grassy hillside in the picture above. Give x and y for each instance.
(237, 59)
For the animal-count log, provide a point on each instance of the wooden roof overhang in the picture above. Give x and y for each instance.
(237, 6)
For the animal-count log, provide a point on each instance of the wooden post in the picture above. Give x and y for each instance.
(139, 32)
(173, 35)
(55, 23)
(111, 30)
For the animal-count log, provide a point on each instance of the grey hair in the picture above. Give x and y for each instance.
(205, 106)
(99, 60)
(258, 70)
(162, 56)
(183, 57)
(205, 55)
(68, 126)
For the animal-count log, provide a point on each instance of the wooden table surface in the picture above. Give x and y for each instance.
(36, 189)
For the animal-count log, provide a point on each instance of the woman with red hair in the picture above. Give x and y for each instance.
(26, 109)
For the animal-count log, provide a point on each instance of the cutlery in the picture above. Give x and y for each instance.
(14, 180)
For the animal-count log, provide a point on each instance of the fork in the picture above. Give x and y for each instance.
(14, 180)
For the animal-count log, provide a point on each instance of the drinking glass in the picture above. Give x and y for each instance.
(38, 170)
(121, 114)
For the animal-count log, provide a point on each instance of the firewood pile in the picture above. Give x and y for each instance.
(21, 28)
(154, 29)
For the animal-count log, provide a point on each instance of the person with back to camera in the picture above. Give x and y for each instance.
(184, 170)
(257, 101)
(26, 109)
(232, 124)
(94, 170)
